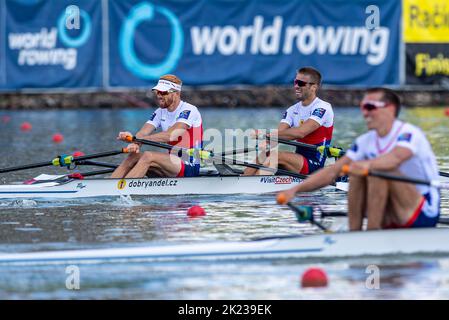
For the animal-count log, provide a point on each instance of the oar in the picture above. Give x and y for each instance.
(444, 174)
(95, 163)
(303, 213)
(339, 214)
(64, 160)
(207, 155)
(432, 183)
(328, 151)
(236, 151)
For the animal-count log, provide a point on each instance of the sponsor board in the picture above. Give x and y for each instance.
(426, 21)
(427, 64)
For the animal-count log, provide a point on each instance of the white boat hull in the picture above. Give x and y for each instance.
(338, 245)
(151, 186)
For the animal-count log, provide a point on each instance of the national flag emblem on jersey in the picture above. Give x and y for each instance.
(184, 115)
(406, 136)
(319, 112)
(153, 116)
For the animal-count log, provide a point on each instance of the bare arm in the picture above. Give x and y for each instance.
(146, 130)
(300, 132)
(391, 160)
(323, 177)
(172, 134)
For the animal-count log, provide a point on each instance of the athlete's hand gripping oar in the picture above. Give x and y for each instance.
(207, 155)
(303, 213)
(64, 160)
(328, 151)
(432, 183)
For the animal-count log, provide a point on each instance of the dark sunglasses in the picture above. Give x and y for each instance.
(372, 105)
(162, 93)
(301, 83)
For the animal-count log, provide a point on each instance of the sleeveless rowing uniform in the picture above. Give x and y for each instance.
(192, 138)
(422, 165)
(321, 112)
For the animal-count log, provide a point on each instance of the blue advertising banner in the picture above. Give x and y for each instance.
(204, 42)
(50, 44)
(253, 42)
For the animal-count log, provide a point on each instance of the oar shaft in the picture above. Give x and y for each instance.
(222, 158)
(237, 151)
(30, 166)
(261, 167)
(444, 174)
(323, 149)
(71, 160)
(100, 155)
(96, 163)
(293, 143)
(97, 172)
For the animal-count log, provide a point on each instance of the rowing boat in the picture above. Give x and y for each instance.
(429, 241)
(49, 186)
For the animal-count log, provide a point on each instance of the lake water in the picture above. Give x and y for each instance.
(110, 222)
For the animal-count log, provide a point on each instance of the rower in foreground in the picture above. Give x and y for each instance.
(181, 125)
(310, 121)
(391, 146)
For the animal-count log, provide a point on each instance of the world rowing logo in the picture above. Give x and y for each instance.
(121, 184)
(145, 12)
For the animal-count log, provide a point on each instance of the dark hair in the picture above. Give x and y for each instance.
(314, 74)
(389, 96)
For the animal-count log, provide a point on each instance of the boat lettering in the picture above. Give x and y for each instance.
(121, 184)
(279, 180)
(329, 240)
(152, 183)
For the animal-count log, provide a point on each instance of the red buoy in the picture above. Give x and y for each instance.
(58, 138)
(26, 126)
(196, 211)
(78, 154)
(314, 277)
(446, 112)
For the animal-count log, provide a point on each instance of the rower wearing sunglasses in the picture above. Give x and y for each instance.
(310, 121)
(180, 124)
(390, 146)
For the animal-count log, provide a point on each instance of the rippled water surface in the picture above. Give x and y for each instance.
(30, 225)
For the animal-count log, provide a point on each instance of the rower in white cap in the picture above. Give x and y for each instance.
(180, 124)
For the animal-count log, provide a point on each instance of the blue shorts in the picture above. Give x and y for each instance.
(189, 170)
(422, 217)
(310, 165)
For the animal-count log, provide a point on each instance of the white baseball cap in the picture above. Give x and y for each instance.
(165, 85)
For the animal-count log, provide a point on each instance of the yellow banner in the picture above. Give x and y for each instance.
(425, 21)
